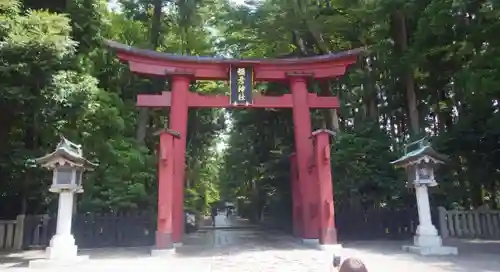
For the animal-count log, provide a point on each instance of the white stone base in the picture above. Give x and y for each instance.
(431, 251)
(61, 247)
(432, 240)
(177, 245)
(163, 252)
(62, 252)
(56, 263)
(332, 249)
(427, 245)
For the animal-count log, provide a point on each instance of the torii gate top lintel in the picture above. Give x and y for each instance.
(241, 73)
(216, 68)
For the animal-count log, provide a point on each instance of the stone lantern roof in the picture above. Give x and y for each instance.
(423, 153)
(66, 152)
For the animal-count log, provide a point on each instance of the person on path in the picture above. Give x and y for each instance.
(214, 214)
(352, 265)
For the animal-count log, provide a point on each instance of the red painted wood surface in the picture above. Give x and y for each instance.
(212, 68)
(196, 100)
(262, 72)
(304, 151)
(328, 232)
(296, 197)
(178, 122)
(165, 186)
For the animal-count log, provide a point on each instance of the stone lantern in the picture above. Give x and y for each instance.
(67, 163)
(420, 160)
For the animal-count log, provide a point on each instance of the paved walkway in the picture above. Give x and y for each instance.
(254, 250)
(223, 222)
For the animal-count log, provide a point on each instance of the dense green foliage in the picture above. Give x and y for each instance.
(430, 69)
(58, 78)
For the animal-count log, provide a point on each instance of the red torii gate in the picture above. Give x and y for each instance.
(312, 188)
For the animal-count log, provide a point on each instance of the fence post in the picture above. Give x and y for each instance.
(443, 226)
(44, 233)
(19, 232)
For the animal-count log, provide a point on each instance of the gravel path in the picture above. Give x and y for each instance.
(253, 250)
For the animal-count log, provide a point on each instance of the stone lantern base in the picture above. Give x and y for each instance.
(429, 245)
(62, 252)
(62, 247)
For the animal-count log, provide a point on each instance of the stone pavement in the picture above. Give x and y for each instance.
(222, 222)
(255, 250)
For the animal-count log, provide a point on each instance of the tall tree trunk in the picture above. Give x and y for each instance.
(154, 37)
(408, 78)
(330, 118)
(369, 91)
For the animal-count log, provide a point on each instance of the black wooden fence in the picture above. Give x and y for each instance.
(94, 230)
(138, 229)
(365, 224)
(353, 225)
(379, 224)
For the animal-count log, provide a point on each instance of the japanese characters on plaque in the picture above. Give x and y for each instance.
(241, 81)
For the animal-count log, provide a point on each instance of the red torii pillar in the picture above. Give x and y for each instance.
(297, 222)
(178, 122)
(322, 163)
(166, 157)
(304, 150)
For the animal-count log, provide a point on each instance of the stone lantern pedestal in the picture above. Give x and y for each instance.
(427, 240)
(62, 245)
(62, 250)
(68, 165)
(420, 160)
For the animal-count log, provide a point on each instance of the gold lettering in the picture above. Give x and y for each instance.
(241, 71)
(241, 84)
(241, 92)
